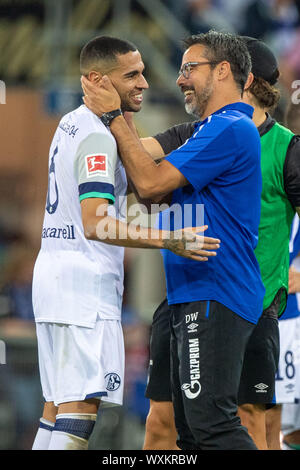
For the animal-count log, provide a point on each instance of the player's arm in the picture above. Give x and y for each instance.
(163, 143)
(294, 280)
(153, 147)
(291, 173)
(150, 144)
(148, 205)
(100, 226)
(150, 179)
(94, 169)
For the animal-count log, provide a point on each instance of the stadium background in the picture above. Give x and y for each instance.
(40, 41)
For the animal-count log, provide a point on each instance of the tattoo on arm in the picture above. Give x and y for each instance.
(177, 245)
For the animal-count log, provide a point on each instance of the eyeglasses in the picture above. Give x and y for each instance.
(188, 66)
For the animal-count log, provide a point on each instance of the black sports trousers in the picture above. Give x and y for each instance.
(208, 343)
(257, 383)
(159, 381)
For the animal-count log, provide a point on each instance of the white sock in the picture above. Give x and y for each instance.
(43, 435)
(64, 441)
(72, 431)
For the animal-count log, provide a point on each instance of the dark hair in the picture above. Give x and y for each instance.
(102, 50)
(266, 95)
(221, 46)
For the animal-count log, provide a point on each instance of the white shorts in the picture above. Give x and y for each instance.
(288, 374)
(290, 418)
(77, 363)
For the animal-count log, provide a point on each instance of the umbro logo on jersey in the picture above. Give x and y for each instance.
(192, 327)
(261, 388)
(289, 388)
(96, 165)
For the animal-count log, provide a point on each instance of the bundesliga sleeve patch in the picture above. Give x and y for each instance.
(96, 165)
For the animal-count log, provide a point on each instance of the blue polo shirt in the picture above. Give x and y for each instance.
(221, 161)
(293, 303)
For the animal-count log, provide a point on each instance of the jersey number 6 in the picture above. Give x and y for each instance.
(52, 194)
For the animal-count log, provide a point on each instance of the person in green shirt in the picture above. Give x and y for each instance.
(282, 421)
(280, 200)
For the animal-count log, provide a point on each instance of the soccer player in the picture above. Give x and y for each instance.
(279, 202)
(280, 199)
(213, 311)
(287, 376)
(289, 419)
(286, 416)
(78, 274)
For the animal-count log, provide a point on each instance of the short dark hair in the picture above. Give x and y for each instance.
(103, 50)
(221, 46)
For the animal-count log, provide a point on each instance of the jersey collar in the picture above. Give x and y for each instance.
(266, 125)
(239, 106)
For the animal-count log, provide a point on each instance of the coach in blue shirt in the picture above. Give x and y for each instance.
(214, 304)
(223, 170)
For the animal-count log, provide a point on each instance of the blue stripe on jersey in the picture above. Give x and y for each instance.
(96, 187)
(207, 308)
(95, 395)
(273, 402)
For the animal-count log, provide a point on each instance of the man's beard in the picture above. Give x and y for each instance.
(199, 103)
(126, 106)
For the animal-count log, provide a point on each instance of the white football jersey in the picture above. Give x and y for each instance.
(74, 278)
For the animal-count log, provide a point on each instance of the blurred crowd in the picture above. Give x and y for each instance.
(276, 22)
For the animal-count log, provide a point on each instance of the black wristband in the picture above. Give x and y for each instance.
(106, 118)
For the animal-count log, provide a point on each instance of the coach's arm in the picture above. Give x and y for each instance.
(155, 150)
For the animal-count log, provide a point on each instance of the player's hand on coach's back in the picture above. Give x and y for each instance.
(188, 243)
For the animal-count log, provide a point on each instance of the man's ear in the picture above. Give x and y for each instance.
(249, 81)
(223, 70)
(94, 76)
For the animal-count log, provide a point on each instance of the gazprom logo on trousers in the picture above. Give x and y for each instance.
(193, 388)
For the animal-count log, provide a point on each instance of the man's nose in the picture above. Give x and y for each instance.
(180, 80)
(143, 82)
